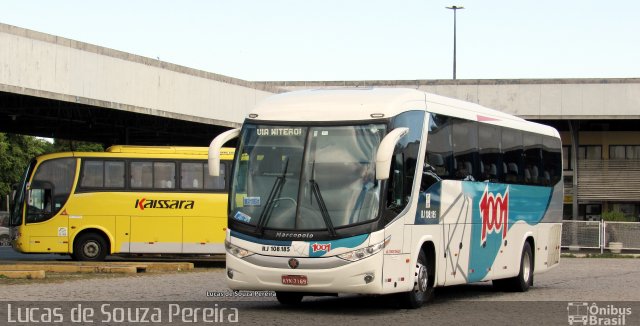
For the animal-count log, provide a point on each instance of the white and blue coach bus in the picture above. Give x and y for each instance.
(384, 191)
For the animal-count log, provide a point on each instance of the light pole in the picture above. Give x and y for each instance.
(454, 8)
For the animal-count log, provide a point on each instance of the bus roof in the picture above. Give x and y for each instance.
(165, 150)
(358, 104)
(129, 151)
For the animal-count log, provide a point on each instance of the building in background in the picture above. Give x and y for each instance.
(598, 119)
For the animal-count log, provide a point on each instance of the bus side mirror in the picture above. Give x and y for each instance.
(216, 146)
(385, 152)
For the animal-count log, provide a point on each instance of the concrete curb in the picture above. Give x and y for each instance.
(98, 267)
(39, 274)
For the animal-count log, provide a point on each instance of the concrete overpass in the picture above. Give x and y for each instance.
(56, 87)
(534, 99)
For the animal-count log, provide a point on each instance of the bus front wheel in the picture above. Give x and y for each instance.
(90, 246)
(422, 290)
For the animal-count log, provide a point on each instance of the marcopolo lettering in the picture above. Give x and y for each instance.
(294, 235)
(163, 204)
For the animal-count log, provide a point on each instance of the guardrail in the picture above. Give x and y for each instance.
(601, 235)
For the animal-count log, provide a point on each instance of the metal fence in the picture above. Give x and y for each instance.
(600, 234)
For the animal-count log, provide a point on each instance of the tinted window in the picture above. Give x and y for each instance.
(439, 150)
(551, 160)
(465, 150)
(512, 155)
(489, 137)
(404, 161)
(532, 158)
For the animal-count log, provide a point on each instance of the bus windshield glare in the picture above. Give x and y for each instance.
(306, 178)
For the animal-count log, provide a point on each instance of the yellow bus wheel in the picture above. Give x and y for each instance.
(90, 246)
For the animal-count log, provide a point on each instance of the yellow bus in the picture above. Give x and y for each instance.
(127, 200)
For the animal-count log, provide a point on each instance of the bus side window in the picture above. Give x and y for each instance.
(403, 166)
(512, 155)
(465, 150)
(191, 175)
(438, 159)
(164, 175)
(215, 183)
(141, 174)
(490, 155)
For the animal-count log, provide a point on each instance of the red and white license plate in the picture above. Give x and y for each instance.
(294, 279)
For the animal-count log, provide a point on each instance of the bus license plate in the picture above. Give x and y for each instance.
(294, 279)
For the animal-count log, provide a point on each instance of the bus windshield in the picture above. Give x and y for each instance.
(306, 178)
(17, 204)
(47, 192)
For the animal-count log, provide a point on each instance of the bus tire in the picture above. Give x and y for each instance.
(524, 280)
(90, 247)
(289, 298)
(422, 291)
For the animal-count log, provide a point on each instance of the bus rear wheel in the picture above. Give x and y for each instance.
(524, 279)
(289, 298)
(90, 246)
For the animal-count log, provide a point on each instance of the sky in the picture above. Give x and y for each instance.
(311, 40)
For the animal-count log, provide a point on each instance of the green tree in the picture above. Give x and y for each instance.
(15, 153)
(63, 145)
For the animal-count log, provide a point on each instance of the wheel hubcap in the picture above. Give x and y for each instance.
(526, 267)
(422, 278)
(91, 249)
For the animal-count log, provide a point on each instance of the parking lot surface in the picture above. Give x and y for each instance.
(575, 280)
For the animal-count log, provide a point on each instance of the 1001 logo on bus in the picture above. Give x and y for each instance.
(494, 210)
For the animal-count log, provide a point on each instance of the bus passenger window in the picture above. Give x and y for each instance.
(465, 150)
(141, 175)
(215, 183)
(192, 175)
(92, 174)
(164, 175)
(114, 174)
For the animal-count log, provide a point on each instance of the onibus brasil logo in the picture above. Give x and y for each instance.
(494, 210)
(143, 203)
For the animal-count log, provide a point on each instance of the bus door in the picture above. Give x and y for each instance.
(46, 233)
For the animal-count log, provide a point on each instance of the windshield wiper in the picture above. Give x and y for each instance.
(276, 189)
(323, 208)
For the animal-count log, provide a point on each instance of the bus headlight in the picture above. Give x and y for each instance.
(237, 251)
(362, 252)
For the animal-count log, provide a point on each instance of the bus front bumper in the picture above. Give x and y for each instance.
(363, 276)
